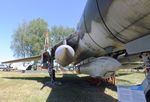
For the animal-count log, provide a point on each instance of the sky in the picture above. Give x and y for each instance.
(56, 12)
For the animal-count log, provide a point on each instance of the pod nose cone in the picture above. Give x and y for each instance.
(64, 55)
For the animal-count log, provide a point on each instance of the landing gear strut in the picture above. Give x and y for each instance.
(51, 72)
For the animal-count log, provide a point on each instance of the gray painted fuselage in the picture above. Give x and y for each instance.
(107, 25)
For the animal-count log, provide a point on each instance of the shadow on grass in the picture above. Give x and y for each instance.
(74, 89)
(38, 79)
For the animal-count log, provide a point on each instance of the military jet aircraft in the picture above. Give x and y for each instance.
(109, 34)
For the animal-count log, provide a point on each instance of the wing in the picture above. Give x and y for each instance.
(24, 59)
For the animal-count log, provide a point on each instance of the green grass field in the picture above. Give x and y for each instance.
(25, 87)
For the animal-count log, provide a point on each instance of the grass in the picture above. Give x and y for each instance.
(25, 87)
(129, 78)
(18, 87)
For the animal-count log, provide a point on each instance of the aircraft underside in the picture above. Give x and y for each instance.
(107, 28)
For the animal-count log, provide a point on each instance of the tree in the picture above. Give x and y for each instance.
(59, 33)
(28, 39)
(37, 29)
(18, 44)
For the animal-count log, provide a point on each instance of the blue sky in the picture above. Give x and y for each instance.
(55, 12)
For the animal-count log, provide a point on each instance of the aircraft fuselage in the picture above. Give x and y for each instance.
(106, 26)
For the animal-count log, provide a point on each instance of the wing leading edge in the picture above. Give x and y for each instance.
(24, 59)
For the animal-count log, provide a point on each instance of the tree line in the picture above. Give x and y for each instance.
(28, 39)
